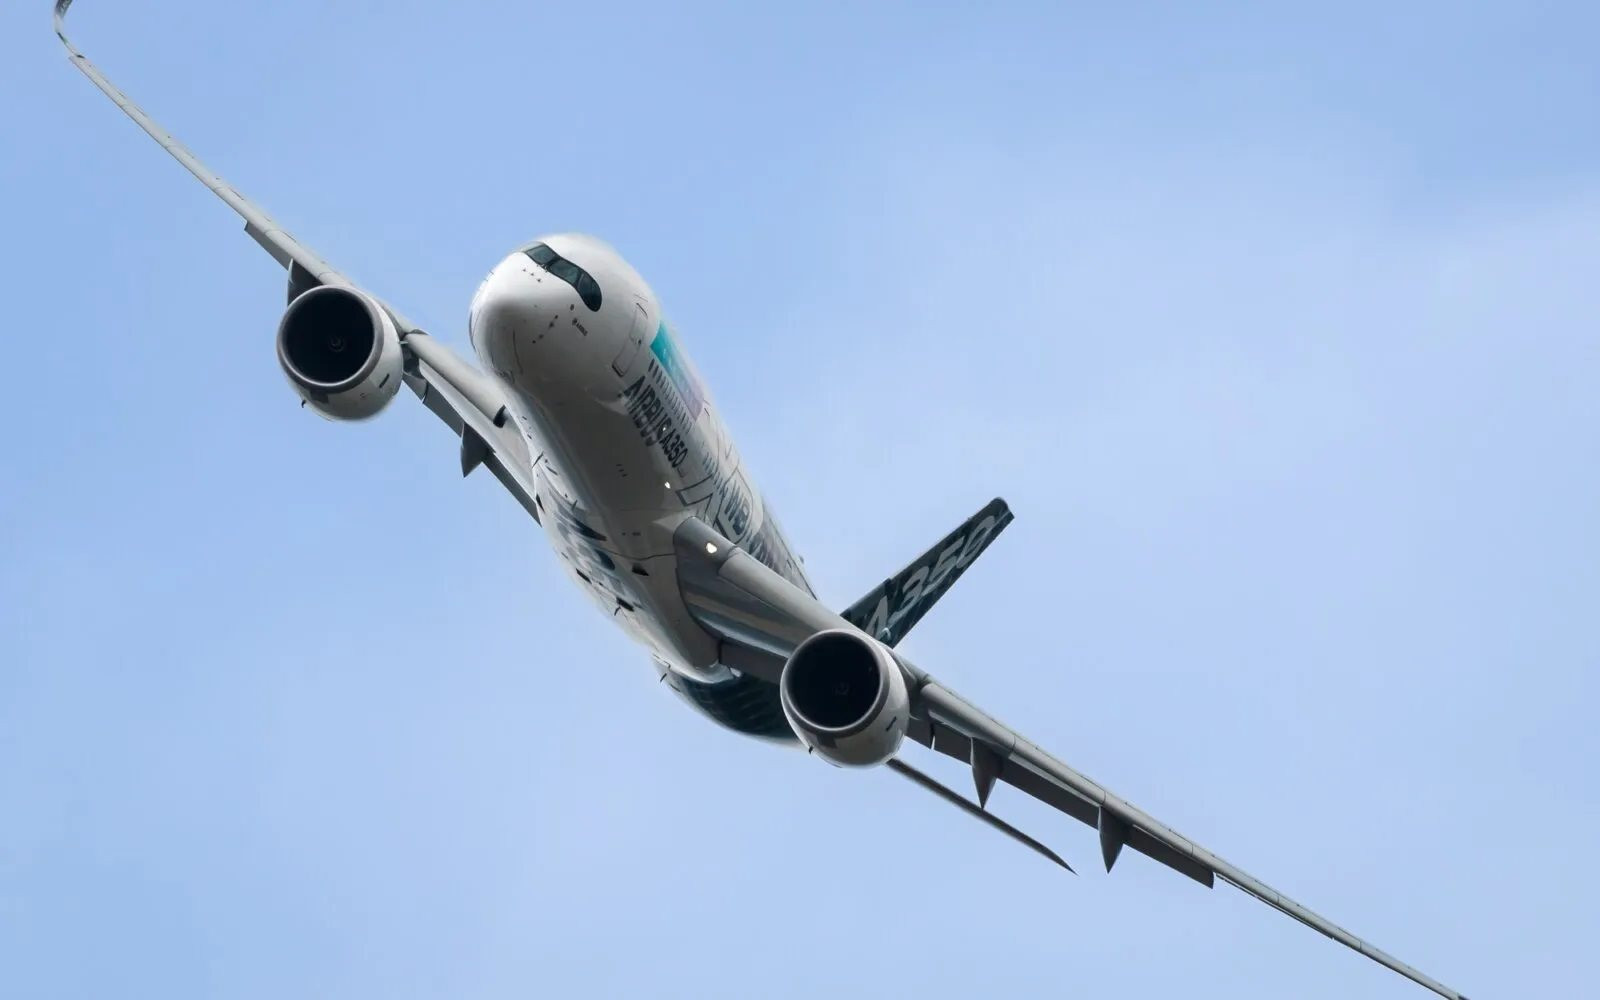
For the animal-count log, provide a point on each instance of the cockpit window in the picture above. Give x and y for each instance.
(564, 269)
(587, 288)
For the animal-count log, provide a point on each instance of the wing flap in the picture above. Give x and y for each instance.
(1146, 844)
(952, 743)
(498, 448)
(949, 723)
(1145, 833)
(1037, 785)
(272, 243)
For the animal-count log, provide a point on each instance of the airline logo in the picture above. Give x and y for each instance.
(891, 609)
(666, 352)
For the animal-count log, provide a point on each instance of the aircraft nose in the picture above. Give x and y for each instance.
(526, 322)
(515, 295)
(512, 312)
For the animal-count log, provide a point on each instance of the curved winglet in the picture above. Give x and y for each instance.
(283, 247)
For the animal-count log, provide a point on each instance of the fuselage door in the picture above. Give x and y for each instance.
(630, 347)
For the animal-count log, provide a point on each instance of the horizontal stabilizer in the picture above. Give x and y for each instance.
(901, 767)
(892, 608)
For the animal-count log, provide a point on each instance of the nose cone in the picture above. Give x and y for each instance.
(530, 324)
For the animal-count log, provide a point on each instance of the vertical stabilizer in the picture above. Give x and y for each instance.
(894, 606)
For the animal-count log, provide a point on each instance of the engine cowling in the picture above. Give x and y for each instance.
(341, 352)
(845, 697)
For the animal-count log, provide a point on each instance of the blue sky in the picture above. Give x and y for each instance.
(1276, 329)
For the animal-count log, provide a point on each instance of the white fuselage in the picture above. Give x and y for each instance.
(624, 440)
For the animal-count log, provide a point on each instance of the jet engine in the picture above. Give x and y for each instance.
(341, 352)
(845, 697)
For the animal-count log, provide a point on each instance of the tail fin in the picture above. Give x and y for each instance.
(893, 607)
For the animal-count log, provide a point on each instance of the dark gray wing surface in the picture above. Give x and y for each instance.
(736, 597)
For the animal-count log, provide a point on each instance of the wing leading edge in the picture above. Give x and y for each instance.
(466, 401)
(769, 609)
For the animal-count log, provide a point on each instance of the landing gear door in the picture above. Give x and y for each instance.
(630, 347)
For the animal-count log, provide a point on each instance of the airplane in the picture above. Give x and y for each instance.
(590, 413)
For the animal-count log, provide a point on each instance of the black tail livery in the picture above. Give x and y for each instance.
(890, 610)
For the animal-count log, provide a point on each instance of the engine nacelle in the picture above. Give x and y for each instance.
(341, 352)
(845, 697)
